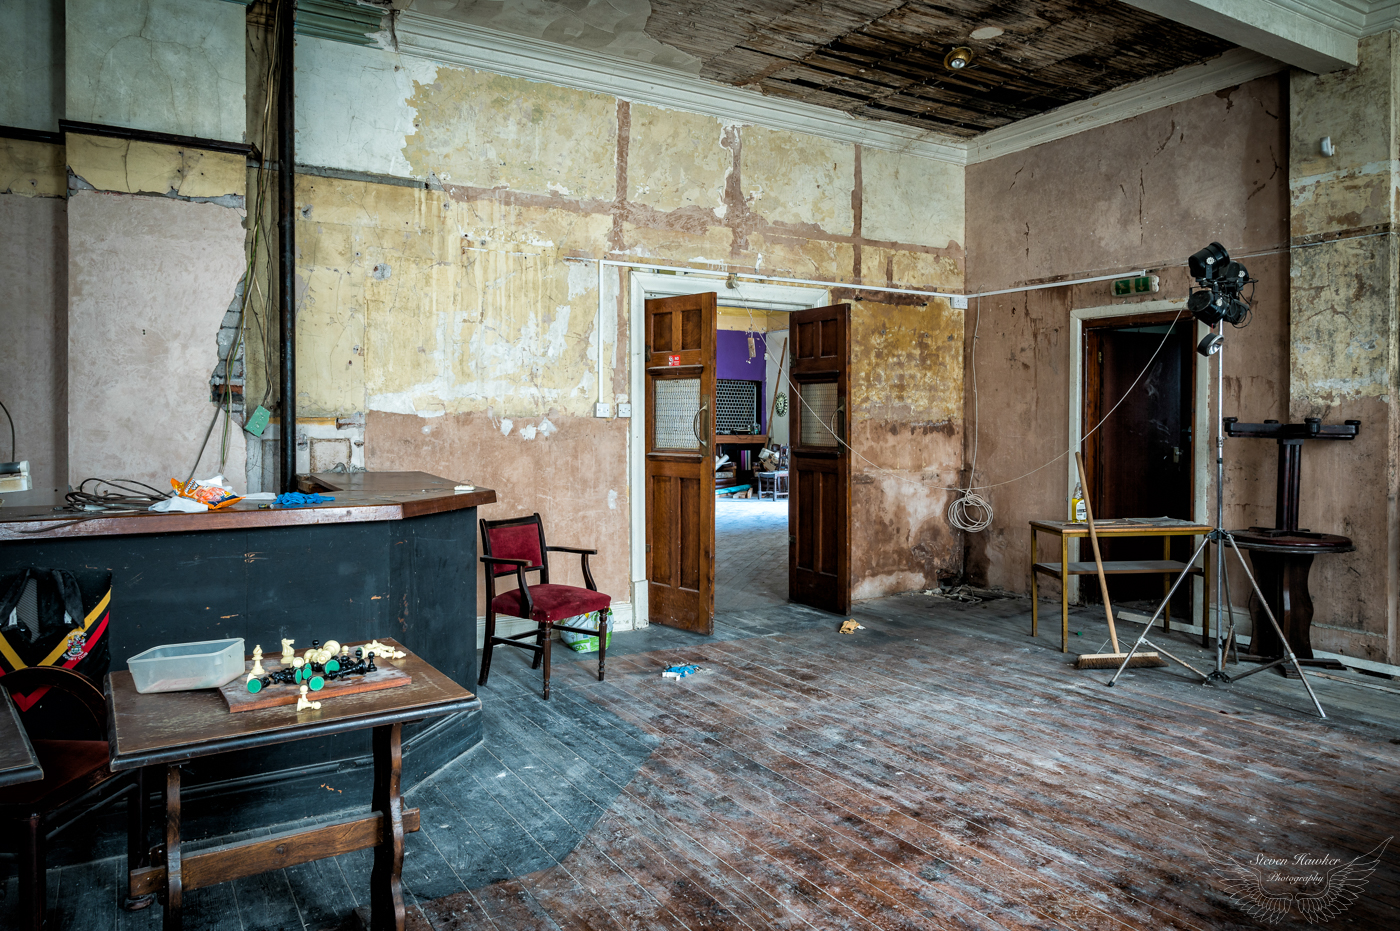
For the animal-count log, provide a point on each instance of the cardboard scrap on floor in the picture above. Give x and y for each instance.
(850, 627)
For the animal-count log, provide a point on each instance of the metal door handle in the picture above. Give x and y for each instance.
(695, 425)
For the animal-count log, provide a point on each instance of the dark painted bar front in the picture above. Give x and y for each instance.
(393, 556)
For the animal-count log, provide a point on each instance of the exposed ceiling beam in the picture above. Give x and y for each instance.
(1315, 35)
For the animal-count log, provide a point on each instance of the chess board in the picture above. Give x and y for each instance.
(236, 693)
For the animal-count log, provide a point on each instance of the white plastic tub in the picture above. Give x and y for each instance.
(179, 667)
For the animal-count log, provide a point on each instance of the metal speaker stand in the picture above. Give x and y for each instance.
(1223, 607)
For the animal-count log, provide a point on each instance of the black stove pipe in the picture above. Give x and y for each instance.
(286, 240)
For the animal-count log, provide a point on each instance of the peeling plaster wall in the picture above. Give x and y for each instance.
(33, 324)
(461, 312)
(173, 66)
(1345, 358)
(150, 279)
(1145, 192)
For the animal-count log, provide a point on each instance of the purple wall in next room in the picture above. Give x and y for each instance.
(732, 361)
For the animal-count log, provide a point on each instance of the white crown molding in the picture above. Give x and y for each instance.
(1233, 67)
(1383, 15)
(456, 43)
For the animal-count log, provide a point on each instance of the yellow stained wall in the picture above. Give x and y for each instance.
(464, 321)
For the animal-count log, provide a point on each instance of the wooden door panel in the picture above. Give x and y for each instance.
(680, 479)
(819, 503)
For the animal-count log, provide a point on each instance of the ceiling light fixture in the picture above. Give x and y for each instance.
(958, 59)
(983, 33)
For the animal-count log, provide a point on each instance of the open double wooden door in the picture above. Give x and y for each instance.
(680, 474)
(819, 465)
(680, 478)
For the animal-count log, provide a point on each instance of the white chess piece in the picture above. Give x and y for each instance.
(331, 648)
(258, 669)
(298, 662)
(303, 702)
(287, 652)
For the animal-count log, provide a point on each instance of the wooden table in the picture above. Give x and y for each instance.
(394, 553)
(1169, 568)
(18, 762)
(163, 730)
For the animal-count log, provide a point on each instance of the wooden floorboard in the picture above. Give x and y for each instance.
(938, 770)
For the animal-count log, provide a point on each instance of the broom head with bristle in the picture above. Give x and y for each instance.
(1114, 660)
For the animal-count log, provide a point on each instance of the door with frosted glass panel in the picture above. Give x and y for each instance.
(680, 477)
(819, 464)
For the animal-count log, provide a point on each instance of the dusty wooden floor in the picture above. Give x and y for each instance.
(938, 769)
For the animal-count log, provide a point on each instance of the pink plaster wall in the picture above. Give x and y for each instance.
(1145, 192)
(33, 336)
(149, 281)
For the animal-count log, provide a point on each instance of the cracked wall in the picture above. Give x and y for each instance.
(172, 66)
(460, 310)
(154, 256)
(1345, 316)
(1142, 193)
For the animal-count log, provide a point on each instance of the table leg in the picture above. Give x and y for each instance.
(1064, 593)
(386, 878)
(1035, 594)
(138, 851)
(1167, 585)
(173, 891)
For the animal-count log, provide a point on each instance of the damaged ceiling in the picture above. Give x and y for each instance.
(874, 59)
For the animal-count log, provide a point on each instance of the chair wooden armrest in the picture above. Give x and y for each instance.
(583, 555)
(520, 566)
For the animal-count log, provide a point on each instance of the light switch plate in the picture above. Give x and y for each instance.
(602, 410)
(624, 410)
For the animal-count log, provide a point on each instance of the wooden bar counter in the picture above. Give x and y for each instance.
(394, 555)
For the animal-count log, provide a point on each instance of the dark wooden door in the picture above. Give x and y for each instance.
(1139, 463)
(680, 475)
(819, 465)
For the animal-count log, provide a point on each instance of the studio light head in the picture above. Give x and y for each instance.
(1221, 281)
(1205, 264)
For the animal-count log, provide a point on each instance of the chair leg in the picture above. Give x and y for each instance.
(541, 638)
(547, 642)
(486, 647)
(603, 617)
(33, 888)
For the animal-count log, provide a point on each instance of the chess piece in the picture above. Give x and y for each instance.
(287, 653)
(303, 702)
(258, 669)
(330, 649)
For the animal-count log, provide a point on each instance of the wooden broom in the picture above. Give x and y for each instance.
(1103, 660)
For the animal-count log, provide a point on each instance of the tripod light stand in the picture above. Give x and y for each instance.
(1222, 281)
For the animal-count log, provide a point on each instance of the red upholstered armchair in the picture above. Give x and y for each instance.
(515, 547)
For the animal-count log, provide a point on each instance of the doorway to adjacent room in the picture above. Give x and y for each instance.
(743, 408)
(1141, 369)
(751, 478)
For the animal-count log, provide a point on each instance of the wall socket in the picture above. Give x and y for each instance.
(959, 302)
(602, 410)
(624, 410)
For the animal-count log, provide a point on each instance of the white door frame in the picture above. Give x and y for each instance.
(641, 286)
(1200, 469)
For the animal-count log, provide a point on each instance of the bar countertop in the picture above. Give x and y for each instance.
(359, 497)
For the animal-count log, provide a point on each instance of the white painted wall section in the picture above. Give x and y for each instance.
(31, 63)
(171, 66)
(352, 106)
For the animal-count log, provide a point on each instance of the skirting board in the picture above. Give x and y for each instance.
(508, 626)
(1351, 662)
